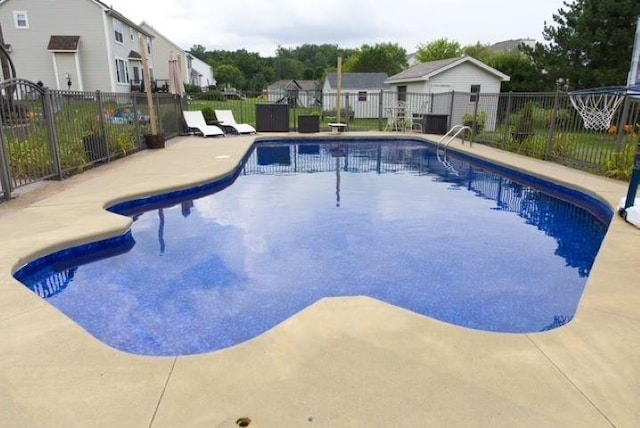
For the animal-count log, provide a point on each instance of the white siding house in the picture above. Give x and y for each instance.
(201, 73)
(162, 50)
(360, 93)
(436, 79)
(82, 42)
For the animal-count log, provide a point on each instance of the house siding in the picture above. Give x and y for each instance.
(161, 52)
(205, 78)
(91, 68)
(459, 79)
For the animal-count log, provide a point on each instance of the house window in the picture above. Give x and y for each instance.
(362, 96)
(136, 73)
(119, 31)
(21, 20)
(475, 90)
(402, 93)
(122, 73)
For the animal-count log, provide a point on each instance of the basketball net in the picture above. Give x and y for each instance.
(597, 108)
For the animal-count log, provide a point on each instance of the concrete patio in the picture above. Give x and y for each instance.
(341, 362)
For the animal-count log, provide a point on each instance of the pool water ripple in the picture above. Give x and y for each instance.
(305, 221)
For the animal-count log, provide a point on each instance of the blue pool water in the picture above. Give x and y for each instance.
(464, 242)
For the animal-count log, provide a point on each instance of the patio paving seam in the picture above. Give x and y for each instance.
(164, 389)
(627, 317)
(11, 318)
(577, 388)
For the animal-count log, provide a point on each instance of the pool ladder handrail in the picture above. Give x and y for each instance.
(455, 130)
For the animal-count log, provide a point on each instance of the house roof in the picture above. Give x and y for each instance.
(151, 29)
(425, 70)
(63, 43)
(356, 81)
(511, 45)
(302, 85)
(134, 55)
(112, 12)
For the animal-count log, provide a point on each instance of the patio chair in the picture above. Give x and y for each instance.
(226, 120)
(195, 120)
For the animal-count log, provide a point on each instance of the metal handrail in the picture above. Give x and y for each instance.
(456, 129)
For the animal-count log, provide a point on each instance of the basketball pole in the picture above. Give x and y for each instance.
(633, 80)
(635, 180)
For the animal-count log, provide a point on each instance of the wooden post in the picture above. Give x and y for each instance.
(339, 90)
(147, 84)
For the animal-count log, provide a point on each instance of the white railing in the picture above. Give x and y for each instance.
(452, 134)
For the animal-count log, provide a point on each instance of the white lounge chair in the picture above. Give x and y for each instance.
(226, 119)
(195, 120)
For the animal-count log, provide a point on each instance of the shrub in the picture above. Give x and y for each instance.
(620, 165)
(209, 114)
(122, 139)
(564, 146)
(192, 89)
(523, 120)
(476, 123)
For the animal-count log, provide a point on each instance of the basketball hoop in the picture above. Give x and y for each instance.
(597, 106)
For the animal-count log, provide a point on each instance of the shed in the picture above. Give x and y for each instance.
(439, 80)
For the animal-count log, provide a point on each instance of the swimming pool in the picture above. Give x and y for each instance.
(462, 241)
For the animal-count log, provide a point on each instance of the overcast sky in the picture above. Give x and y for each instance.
(263, 25)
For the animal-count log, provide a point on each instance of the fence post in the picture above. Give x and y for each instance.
(5, 174)
(380, 110)
(475, 119)
(453, 100)
(507, 121)
(103, 132)
(136, 121)
(160, 128)
(552, 127)
(635, 180)
(54, 146)
(624, 117)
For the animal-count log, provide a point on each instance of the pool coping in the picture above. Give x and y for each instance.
(340, 361)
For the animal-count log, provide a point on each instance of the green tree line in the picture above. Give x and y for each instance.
(587, 45)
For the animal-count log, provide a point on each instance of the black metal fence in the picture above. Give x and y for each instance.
(541, 125)
(48, 134)
(52, 134)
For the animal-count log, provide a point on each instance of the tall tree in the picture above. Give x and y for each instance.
(229, 75)
(523, 73)
(478, 51)
(438, 49)
(389, 58)
(590, 43)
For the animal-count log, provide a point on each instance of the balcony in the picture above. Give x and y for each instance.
(157, 85)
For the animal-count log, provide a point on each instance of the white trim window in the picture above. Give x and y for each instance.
(122, 71)
(473, 96)
(21, 19)
(118, 30)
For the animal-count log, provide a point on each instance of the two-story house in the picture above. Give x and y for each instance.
(81, 45)
(201, 73)
(163, 47)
